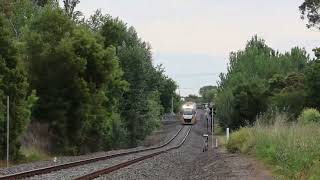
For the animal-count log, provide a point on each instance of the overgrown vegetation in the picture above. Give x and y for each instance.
(292, 150)
(208, 93)
(309, 115)
(260, 79)
(91, 80)
(272, 101)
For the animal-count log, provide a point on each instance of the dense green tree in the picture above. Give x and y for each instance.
(313, 84)
(13, 83)
(97, 86)
(18, 13)
(75, 76)
(158, 81)
(249, 88)
(134, 109)
(249, 100)
(290, 95)
(208, 93)
(150, 91)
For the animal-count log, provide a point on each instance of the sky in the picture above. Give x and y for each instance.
(193, 38)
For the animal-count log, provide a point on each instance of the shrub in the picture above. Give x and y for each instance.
(240, 141)
(309, 115)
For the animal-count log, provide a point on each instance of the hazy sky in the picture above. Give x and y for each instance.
(193, 38)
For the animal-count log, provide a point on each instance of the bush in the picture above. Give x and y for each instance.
(32, 154)
(240, 141)
(309, 115)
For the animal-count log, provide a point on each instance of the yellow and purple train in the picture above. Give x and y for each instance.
(188, 113)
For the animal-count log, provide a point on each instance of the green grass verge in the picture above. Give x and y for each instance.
(292, 151)
(33, 154)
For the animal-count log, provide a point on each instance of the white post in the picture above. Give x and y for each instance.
(8, 130)
(216, 142)
(228, 134)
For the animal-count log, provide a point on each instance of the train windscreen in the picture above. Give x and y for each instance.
(187, 113)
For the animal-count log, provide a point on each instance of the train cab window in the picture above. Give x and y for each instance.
(188, 113)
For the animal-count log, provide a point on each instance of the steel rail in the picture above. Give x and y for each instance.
(108, 170)
(49, 169)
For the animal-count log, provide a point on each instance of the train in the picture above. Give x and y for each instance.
(188, 113)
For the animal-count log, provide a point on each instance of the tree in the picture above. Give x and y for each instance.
(249, 88)
(208, 93)
(69, 9)
(13, 83)
(150, 91)
(192, 98)
(313, 84)
(134, 105)
(75, 77)
(41, 3)
(249, 101)
(97, 20)
(310, 10)
(18, 13)
(289, 94)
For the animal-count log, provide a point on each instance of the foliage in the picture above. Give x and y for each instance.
(208, 93)
(192, 98)
(69, 8)
(292, 150)
(239, 141)
(92, 81)
(313, 84)
(41, 2)
(249, 88)
(309, 115)
(148, 86)
(78, 102)
(310, 10)
(13, 83)
(134, 103)
(18, 13)
(97, 20)
(290, 95)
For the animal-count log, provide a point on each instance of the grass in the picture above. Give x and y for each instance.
(28, 155)
(33, 154)
(219, 133)
(292, 150)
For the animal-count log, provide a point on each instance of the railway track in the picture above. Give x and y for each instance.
(49, 169)
(108, 170)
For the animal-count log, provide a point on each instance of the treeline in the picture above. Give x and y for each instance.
(261, 80)
(91, 80)
(208, 93)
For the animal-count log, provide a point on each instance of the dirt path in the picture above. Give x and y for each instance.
(218, 164)
(189, 162)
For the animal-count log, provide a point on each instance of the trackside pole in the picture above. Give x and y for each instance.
(8, 130)
(212, 130)
(228, 134)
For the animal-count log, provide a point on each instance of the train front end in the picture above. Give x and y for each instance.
(188, 113)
